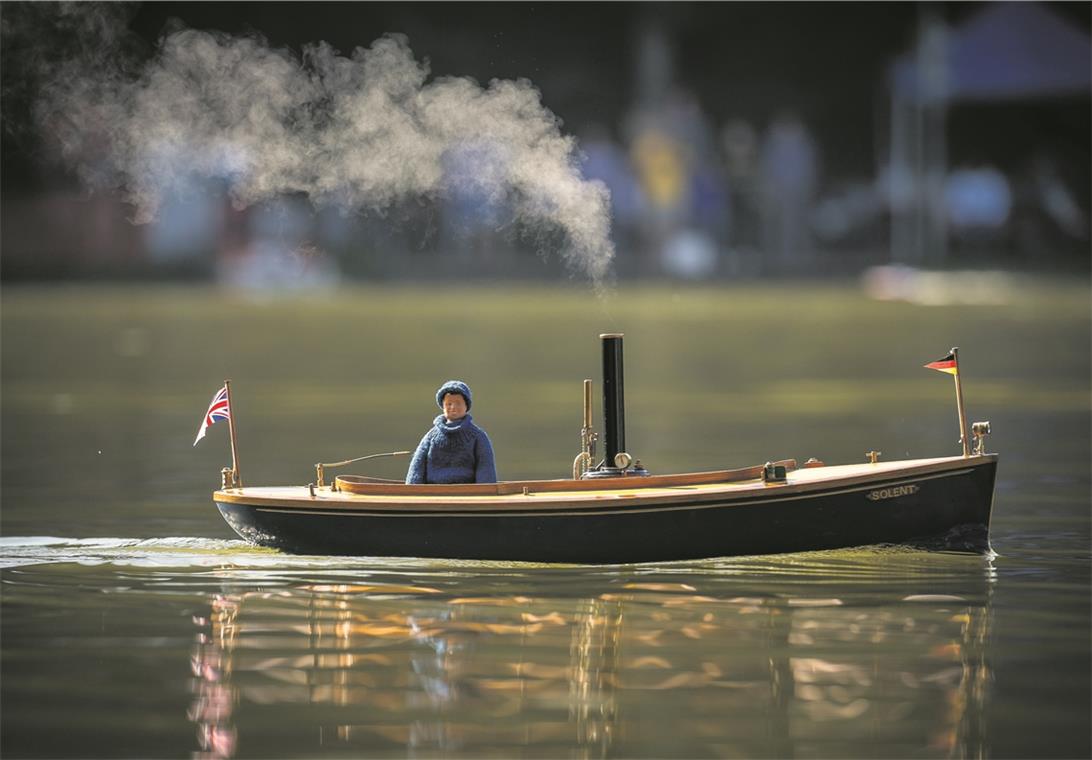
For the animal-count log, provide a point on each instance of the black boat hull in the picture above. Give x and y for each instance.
(949, 508)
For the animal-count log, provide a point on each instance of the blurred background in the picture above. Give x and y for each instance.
(788, 208)
(737, 141)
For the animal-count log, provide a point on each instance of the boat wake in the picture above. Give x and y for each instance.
(19, 551)
(195, 552)
(183, 552)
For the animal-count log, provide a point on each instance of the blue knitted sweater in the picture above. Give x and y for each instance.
(453, 452)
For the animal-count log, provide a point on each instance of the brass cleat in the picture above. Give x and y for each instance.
(980, 430)
(774, 473)
(873, 456)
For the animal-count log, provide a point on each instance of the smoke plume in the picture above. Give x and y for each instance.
(362, 131)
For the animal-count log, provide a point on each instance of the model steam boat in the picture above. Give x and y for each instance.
(614, 511)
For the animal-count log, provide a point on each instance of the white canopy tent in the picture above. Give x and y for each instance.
(1007, 52)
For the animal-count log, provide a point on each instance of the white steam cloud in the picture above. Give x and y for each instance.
(361, 131)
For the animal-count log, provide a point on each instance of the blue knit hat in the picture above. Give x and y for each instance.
(453, 386)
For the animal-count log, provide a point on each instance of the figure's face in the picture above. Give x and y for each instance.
(454, 406)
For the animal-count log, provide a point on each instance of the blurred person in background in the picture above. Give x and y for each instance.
(739, 144)
(474, 206)
(977, 201)
(660, 163)
(605, 160)
(788, 177)
(679, 173)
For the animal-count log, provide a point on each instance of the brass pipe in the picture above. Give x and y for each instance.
(320, 467)
(587, 403)
(581, 464)
(369, 456)
(585, 459)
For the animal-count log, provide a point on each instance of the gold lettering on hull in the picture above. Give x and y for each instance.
(893, 492)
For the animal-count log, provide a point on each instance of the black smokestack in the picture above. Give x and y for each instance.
(614, 402)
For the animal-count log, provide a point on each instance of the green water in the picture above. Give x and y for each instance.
(142, 628)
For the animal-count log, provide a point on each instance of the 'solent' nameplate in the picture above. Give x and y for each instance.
(894, 492)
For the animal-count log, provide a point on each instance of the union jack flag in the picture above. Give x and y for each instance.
(218, 410)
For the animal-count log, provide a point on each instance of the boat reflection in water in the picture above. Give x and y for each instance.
(682, 664)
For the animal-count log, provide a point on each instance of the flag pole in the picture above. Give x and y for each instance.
(237, 479)
(963, 439)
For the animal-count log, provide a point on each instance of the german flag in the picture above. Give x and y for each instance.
(947, 364)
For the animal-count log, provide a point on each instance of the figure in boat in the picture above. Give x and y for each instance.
(454, 450)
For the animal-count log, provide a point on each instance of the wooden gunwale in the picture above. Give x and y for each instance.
(617, 505)
(804, 484)
(369, 487)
